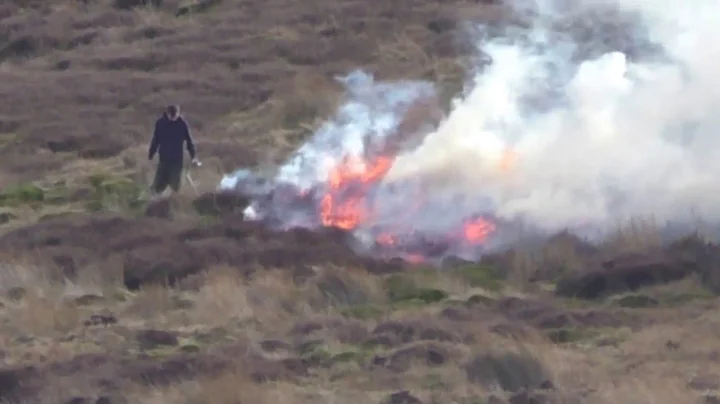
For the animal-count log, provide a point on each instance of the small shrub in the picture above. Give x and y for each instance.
(21, 47)
(341, 288)
(196, 7)
(7, 139)
(408, 304)
(398, 287)
(401, 289)
(362, 312)
(57, 195)
(480, 299)
(482, 276)
(635, 301)
(681, 298)
(568, 335)
(511, 371)
(318, 354)
(6, 217)
(190, 348)
(22, 194)
(130, 4)
(109, 193)
(429, 295)
(352, 356)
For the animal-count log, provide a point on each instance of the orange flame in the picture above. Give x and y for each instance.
(345, 204)
(478, 230)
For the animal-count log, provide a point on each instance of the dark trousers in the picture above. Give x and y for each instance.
(167, 174)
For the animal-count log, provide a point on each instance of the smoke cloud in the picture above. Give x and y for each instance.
(614, 138)
(594, 112)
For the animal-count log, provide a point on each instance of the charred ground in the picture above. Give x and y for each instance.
(107, 299)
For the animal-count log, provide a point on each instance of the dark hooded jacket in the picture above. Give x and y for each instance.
(169, 138)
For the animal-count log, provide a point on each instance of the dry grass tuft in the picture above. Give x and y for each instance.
(334, 287)
(636, 235)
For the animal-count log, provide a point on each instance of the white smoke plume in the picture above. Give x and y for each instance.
(618, 138)
(557, 132)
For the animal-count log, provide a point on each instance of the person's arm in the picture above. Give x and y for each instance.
(189, 143)
(155, 142)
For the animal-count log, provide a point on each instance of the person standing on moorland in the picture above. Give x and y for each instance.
(171, 135)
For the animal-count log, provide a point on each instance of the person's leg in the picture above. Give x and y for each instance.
(161, 181)
(175, 177)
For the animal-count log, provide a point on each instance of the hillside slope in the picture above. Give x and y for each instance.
(84, 82)
(105, 298)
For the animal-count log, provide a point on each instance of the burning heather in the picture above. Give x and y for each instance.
(339, 178)
(551, 133)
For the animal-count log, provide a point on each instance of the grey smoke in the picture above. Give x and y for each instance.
(619, 137)
(607, 117)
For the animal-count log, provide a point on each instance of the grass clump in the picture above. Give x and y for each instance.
(358, 356)
(510, 371)
(635, 301)
(363, 312)
(324, 355)
(681, 298)
(114, 194)
(400, 289)
(22, 194)
(597, 336)
(482, 276)
(569, 335)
